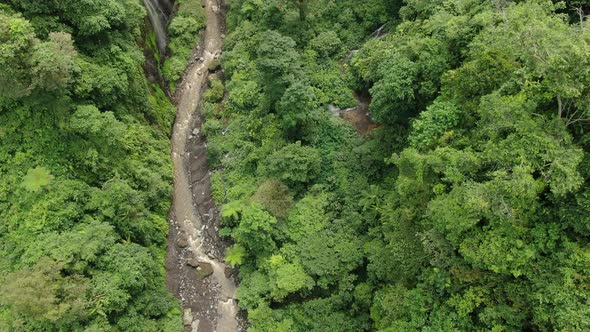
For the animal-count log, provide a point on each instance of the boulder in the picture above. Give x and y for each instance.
(228, 272)
(204, 270)
(187, 317)
(182, 240)
(192, 262)
(214, 65)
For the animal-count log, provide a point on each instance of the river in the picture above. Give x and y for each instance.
(196, 273)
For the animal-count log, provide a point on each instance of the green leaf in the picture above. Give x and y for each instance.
(36, 179)
(235, 255)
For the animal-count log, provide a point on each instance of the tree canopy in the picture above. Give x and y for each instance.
(464, 210)
(85, 171)
(464, 207)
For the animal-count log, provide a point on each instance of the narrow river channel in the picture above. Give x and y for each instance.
(196, 273)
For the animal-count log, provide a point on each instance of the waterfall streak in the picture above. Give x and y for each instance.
(158, 12)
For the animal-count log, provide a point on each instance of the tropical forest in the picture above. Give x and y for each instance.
(294, 165)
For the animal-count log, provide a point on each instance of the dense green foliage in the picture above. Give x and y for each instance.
(466, 210)
(183, 31)
(85, 170)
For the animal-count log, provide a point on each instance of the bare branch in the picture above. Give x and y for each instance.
(578, 120)
(569, 118)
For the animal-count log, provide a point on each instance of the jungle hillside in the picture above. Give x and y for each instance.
(376, 165)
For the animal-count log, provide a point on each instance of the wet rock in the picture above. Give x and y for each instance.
(228, 272)
(210, 254)
(195, 325)
(182, 240)
(214, 77)
(193, 262)
(204, 270)
(187, 318)
(214, 64)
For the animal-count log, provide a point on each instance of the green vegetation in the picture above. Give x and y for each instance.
(85, 170)
(466, 210)
(183, 31)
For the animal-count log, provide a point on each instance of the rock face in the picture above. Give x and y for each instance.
(159, 13)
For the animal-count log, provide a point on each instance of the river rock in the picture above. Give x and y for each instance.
(195, 325)
(204, 270)
(182, 240)
(228, 272)
(214, 76)
(214, 65)
(192, 262)
(187, 318)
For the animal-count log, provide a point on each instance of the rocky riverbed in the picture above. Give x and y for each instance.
(196, 272)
